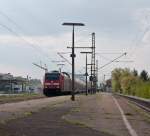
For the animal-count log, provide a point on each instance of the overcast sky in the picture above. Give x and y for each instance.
(31, 31)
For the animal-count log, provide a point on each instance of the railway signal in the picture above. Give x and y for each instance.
(73, 55)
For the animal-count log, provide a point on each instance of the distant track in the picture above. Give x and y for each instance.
(140, 102)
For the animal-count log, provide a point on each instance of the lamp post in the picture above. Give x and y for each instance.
(73, 55)
(86, 74)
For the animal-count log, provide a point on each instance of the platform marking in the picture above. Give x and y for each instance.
(126, 122)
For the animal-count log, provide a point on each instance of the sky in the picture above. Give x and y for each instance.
(31, 31)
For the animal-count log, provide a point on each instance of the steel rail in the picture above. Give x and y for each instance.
(140, 102)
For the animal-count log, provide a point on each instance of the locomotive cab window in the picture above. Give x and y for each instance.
(52, 76)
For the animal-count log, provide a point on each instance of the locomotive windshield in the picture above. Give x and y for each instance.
(52, 76)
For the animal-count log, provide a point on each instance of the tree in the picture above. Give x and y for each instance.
(144, 75)
(108, 83)
(135, 72)
(116, 75)
(127, 84)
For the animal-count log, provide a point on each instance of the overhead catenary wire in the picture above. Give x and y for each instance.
(99, 53)
(14, 23)
(139, 40)
(20, 36)
(113, 60)
(11, 20)
(41, 67)
(117, 61)
(33, 45)
(134, 47)
(64, 58)
(26, 41)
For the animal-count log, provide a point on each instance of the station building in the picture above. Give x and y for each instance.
(11, 84)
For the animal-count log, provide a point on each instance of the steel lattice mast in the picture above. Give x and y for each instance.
(93, 65)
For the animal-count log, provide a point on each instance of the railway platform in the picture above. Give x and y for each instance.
(101, 114)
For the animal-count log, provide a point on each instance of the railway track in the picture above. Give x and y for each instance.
(140, 102)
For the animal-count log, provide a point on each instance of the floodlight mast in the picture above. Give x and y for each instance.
(73, 56)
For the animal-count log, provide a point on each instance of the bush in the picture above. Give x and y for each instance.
(125, 81)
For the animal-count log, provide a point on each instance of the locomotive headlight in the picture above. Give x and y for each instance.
(47, 84)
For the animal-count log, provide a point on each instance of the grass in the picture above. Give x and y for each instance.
(80, 124)
(128, 114)
(77, 123)
(77, 109)
(105, 132)
(2, 122)
(108, 117)
(28, 113)
(19, 97)
(15, 116)
(108, 113)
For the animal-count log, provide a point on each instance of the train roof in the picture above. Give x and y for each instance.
(65, 74)
(52, 72)
(57, 72)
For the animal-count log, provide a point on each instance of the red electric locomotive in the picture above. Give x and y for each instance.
(56, 83)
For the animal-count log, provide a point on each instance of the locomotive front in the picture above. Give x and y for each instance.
(53, 83)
